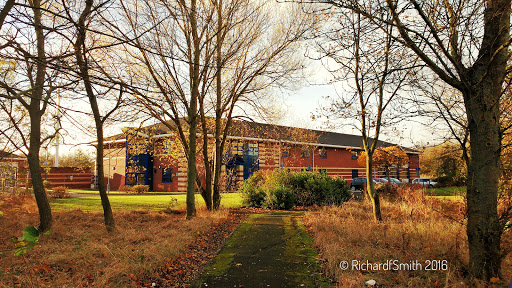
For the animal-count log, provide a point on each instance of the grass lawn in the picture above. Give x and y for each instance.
(138, 202)
(452, 197)
(95, 192)
(447, 191)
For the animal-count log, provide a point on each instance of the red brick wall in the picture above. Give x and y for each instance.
(160, 162)
(71, 177)
(338, 163)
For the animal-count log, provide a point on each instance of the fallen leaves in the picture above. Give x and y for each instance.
(181, 271)
(495, 280)
(80, 252)
(45, 267)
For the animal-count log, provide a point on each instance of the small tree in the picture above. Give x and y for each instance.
(386, 157)
(444, 161)
(373, 62)
(77, 158)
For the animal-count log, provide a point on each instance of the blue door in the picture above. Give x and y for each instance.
(139, 164)
(250, 156)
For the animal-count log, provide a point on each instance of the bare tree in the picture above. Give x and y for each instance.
(25, 38)
(171, 48)
(5, 11)
(251, 56)
(373, 61)
(85, 64)
(465, 43)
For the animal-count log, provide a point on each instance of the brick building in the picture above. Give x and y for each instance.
(150, 156)
(10, 167)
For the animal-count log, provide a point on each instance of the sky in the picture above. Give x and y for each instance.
(307, 100)
(296, 106)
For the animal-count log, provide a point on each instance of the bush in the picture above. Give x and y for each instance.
(252, 194)
(139, 189)
(388, 191)
(280, 198)
(318, 189)
(47, 184)
(281, 189)
(125, 188)
(27, 191)
(446, 181)
(339, 192)
(411, 194)
(59, 192)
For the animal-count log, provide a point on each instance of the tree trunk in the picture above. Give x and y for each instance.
(81, 58)
(482, 100)
(35, 111)
(483, 228)
(107, 209)
(218, 112)
(192, 171)
(45, 212)
(192, 112)
(372, 193)
(217, 171)
(206, 192)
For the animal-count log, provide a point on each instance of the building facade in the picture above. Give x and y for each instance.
(155, 159)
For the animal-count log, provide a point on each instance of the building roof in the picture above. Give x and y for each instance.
(263, 131)
(5, 155)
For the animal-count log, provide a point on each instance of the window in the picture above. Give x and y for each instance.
(167, 146)
(135, 179)
(285, 152)
(304, 153)
(166, 175)
(237, 148)
(131, 179)
(355, 173)
(251, 149)
(322, 153)
(354, 154)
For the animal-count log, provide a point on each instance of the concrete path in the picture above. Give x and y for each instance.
(267, 250)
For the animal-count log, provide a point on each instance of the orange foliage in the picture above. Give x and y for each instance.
(386, 156)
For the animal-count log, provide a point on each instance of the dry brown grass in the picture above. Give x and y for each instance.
(79, 252)
(414, 229)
